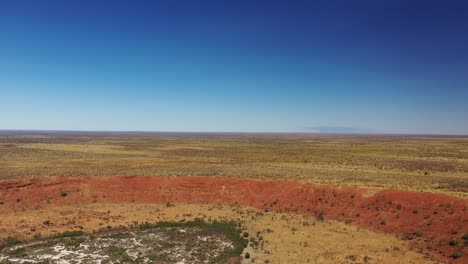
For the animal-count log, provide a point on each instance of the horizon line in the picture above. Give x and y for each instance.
(222, 132)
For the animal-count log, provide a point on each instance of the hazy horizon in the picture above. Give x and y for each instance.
(326, 132)
(360, 67)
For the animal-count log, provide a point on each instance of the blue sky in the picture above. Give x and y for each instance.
(238, 66)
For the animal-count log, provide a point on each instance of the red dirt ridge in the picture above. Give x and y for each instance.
(434, 222)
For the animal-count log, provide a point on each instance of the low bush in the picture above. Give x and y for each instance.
(453, 243)
(69, 234)
(456, 254)
(12, 241)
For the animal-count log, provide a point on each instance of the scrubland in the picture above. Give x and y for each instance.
(274, 237)
(345, 215)
(419, 163)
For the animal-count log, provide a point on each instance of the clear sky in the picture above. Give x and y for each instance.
(253, 66)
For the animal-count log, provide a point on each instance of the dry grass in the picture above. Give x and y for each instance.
(435, 164)
(282, 238)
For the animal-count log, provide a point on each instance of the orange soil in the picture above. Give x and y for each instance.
(430, 221)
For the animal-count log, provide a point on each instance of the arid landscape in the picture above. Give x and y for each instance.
(233, 132)
(296, 198)
(418, 163)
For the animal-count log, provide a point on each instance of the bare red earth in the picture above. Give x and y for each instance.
(437, 223)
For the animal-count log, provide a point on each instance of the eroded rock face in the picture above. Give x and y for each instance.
(430, 221)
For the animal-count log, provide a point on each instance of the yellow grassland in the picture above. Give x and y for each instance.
(434, 164)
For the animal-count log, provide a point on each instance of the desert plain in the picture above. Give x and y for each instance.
(294, 198)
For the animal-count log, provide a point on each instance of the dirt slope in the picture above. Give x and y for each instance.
(436, 223)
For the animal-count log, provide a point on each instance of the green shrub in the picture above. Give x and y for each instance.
(453, 243)
(73, 242)
(456, 254)
(418, 233)
(19, 252)
(69, 234)
(465, 236)
(11, 241)
(116, 251)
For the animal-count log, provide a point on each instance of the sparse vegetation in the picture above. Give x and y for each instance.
(456, 254)
(437, 164)
(69, 234)
(465, 237)
(418, 233)
(199, 242)
(19, 252)
(266, 231)
(453, 243)
(228, 228)
(116, 251)
(12, 241)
